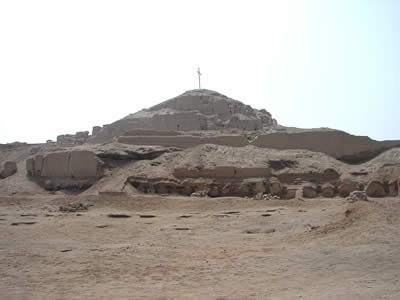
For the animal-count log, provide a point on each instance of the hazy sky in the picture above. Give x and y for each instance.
(66, 66)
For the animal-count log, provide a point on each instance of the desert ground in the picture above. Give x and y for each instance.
(170, 247)
(162, 204)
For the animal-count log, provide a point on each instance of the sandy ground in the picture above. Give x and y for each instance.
(199, 248)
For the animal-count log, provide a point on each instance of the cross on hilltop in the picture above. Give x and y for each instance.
(199, 74)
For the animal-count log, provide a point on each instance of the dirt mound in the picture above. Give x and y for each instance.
(351, 223)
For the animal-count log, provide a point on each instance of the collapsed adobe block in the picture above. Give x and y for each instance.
(7, 169)
(309, 191)
(70, 169)
(328, 190)
(375, 189)
(346, 187)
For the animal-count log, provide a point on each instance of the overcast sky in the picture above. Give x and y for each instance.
(66, 66)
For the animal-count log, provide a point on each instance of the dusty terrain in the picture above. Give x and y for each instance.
(107, 215)
(198, 248)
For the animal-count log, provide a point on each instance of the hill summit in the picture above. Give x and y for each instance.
(194, 110)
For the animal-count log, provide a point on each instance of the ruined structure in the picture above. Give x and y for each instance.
(204, 143)
(200, 117)
(78, 138)
(195, 110)
(67, 169)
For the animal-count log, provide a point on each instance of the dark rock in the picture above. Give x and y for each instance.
(375, 189)
(309, 191)
(7, 169)
(122, 216)
(328, 190)
(346, 187)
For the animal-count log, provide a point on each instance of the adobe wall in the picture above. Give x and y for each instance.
(71, 139)
(167, 122)
(75, 164)
(70, 169)
(184, 141)
(149, 132)
(222, 172)
(338, 144)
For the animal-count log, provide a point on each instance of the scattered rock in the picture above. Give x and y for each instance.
(199, 194)
(357, 196)
(74, 207)
(261, 196)
(375, 189)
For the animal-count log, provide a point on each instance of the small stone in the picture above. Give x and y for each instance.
(199, 194)
(357, 196)
(259, 196)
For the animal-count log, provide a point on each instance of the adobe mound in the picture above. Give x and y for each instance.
(194, 110)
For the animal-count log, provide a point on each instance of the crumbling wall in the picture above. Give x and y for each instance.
(73, 139)
(70, 169)
(222, 172)
(337, 144)
(150, 132)
(184, 141)
(249, 187)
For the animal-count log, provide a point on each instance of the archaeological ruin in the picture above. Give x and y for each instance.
(205, 143)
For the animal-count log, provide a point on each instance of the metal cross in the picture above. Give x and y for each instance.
(199, 74)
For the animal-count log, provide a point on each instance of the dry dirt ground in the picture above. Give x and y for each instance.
(199, 248)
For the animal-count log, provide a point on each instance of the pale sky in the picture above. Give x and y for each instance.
(66, 66)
